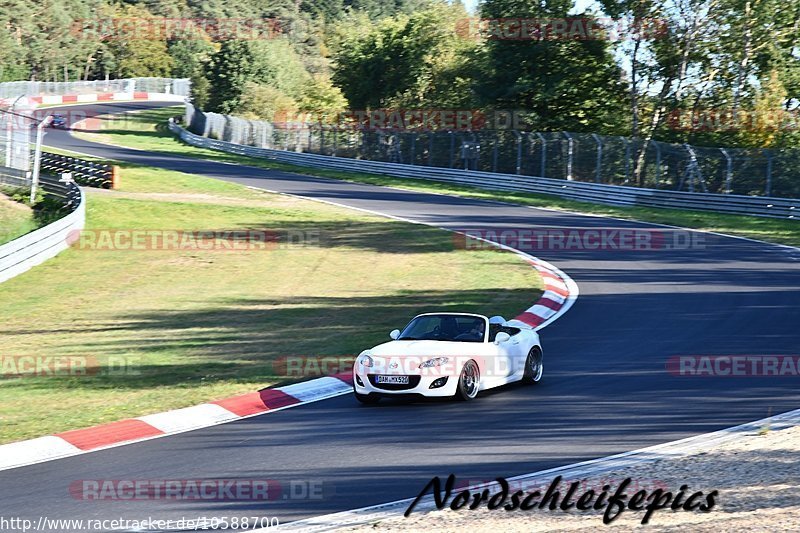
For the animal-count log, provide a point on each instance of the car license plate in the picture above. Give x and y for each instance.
(395, 380)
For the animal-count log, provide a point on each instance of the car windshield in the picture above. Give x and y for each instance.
(445, 328)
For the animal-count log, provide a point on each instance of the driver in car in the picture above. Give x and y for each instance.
(477, 331)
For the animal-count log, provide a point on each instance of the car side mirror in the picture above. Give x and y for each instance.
(501, 337)
(394, 334)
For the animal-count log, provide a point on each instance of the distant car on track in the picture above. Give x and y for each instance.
(449, 354)
(59, 122)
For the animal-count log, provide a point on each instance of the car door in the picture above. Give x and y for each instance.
(513, 351)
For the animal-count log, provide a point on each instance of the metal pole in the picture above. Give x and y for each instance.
(519, 150)
(9, 130)
(544, 153)
(10, 133)
(452, 147)
(37, 158)
(728, 170)
(768, 189)
(627, 159)
(599, 157)
(696, 173)
(658, 163)
(570, 150)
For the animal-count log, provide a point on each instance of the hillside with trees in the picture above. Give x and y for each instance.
(716, 72)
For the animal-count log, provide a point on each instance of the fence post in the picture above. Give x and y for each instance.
(658, 162)
(494, 154)
(452, 147)
(37, 158)
(10, 134)
(599, 163)
(544, 153)
(768, 188)
(518, 137)
(693, 170)
(9, 131)
(627, 159)
(728, 170)
(570, 151)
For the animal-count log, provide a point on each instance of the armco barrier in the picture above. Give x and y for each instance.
(37, 246)
(576, 190)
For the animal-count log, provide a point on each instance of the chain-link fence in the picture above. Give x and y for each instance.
(177, 86)
(569, 156)
(17, 132)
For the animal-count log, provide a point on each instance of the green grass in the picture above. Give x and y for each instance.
(158, 138)
(16, 219)
(194, 326)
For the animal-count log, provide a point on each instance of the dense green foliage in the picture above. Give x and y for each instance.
(717, 72)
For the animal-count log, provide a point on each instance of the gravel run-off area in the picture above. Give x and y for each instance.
(757, 477)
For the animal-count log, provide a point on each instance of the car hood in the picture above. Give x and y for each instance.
(425, 348)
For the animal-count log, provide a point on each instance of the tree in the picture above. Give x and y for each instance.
(265, 103)
(135, 52)
(562, 84)
(406, 60)
(231, 68)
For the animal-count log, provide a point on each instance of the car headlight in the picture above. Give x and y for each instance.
(436, 361)
(365, 360)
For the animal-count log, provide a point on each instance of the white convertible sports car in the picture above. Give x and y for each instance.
(449, 354)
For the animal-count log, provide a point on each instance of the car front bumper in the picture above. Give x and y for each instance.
(366, 383)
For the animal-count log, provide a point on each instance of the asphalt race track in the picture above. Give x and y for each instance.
(606, 389)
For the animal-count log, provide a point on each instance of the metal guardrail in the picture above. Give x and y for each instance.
(31, 249)
(587, 157)
(67, 193)
(619, 195)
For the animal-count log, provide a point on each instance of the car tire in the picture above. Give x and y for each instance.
(469, 382)
(367, 399)
(534, 366)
